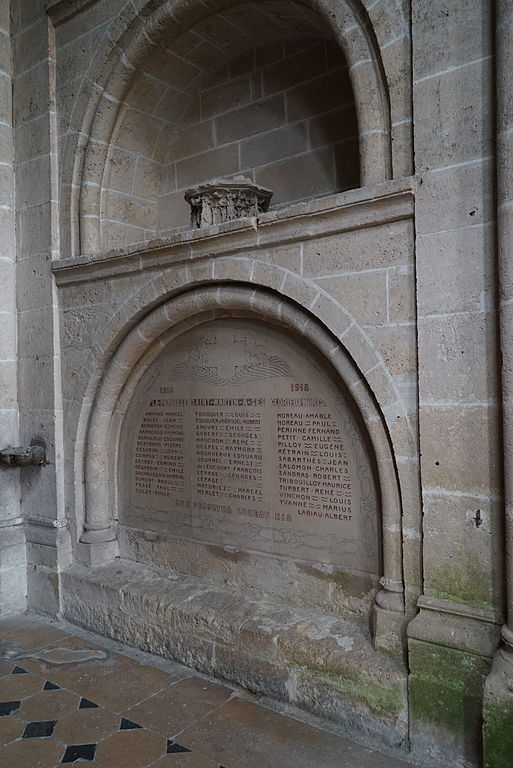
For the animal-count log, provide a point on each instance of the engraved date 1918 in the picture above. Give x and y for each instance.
(299, 387)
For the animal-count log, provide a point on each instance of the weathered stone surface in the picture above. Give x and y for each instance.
(13, 578)
(234, 437)
(219, 200)
(108, 112)
(315, 661)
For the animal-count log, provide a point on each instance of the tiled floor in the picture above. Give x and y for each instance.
(69, 698)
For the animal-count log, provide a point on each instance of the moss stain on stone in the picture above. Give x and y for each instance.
(382, 702)
(498, 735)
(352, 584)
(445, 687)
(461, 581)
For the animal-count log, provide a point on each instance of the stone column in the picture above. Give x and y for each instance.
(453, 639)
(13, 580)
(498, 702)
(48, 541)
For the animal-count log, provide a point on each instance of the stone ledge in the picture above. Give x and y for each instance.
(314, 660)
(61, 11)
(343, 212)
(455, 625)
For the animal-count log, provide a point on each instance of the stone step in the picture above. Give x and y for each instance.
(317, 661)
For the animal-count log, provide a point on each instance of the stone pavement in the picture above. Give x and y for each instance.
(67, 696)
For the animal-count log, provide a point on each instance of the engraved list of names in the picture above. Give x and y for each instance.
(238, 436)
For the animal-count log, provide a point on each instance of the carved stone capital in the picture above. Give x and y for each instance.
(218, 201)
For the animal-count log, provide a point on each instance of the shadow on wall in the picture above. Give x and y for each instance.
(216, 104)
(282, 114)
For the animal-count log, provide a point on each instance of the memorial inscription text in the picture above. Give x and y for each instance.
(236, 435)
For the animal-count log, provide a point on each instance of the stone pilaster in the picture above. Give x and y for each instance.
(48, 546)
(452, 641)
(13, 582)
(498, 700)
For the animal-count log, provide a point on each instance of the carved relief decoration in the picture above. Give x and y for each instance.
(218, 201)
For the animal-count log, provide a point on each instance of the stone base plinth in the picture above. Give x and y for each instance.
(498, 713)
(13, 569)
(450, 650)
(314, 660)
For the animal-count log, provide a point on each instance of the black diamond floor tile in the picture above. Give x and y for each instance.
(79, 752)
(8, 707)
(39, 729)
(128, 725)
(48, 686)
(86, 704)
(174, 748)
(19, 671)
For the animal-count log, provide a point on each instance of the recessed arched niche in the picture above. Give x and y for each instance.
(261, 89)
(240, 440)
(281, 114)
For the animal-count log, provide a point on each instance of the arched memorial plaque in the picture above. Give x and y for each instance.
(237, 435)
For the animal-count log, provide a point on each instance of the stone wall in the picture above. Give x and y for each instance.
(37, 245)
(136, 106)
(378, 332)
(282, 115)
(458, 367)
(12, 540)
(120, 105)
(498, 698)
(294, 277)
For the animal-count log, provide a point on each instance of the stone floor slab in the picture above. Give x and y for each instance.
(86, 725)
(27, 633)
(19, 686)
(48, 705)
(189, 760)
(5, 668)
(172, 710)
(130, 749)
(79, 699)
(10, 729)
(244, 733)
(32, 753)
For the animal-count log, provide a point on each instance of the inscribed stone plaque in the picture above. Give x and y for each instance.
(237, 435)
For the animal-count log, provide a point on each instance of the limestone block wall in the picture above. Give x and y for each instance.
(347, 259)
(498, 699)
(101, 103)
(458, 367)
(362, 292)
(402, 273)
(336, 262)
(12, 540)
(38, 349)
(282, 115)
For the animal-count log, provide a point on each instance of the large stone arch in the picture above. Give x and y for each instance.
(373, 374)
(111, 388)
(348, 22)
